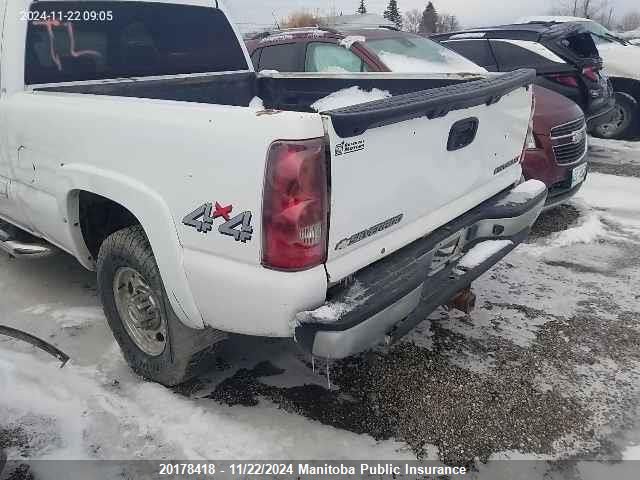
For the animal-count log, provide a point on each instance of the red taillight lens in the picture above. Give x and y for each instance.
(568, 80)
(295, 206)
(591, 73)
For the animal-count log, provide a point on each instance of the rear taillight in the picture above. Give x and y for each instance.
(591, 73)
(295, 206)
(568, 80)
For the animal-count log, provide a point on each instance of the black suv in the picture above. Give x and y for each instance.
(564, 56)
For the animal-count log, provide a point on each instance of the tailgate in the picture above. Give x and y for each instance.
(404, 166)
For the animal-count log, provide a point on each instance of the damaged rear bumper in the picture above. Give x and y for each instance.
(390, 297)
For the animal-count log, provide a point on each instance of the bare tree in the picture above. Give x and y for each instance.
(412, 20)
(447, 23)
(582, 8)
(301, 18)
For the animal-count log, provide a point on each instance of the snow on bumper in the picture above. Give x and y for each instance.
(396, 293)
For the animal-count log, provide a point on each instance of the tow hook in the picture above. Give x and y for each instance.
(464, 300)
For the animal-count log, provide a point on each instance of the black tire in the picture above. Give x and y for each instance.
(626, 120)
(187, 352)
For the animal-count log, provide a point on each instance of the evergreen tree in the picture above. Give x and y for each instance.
(392, 13)
(429, 22)
(362, 9)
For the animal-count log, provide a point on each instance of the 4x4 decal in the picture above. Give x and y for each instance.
(238, 227)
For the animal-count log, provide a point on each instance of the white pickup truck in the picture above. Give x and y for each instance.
(131, 137)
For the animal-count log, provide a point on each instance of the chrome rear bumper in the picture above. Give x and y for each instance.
(400, 291)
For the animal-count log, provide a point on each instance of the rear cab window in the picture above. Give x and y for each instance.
(73, 41)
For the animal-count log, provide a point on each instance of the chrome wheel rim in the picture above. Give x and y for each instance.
(139, 310)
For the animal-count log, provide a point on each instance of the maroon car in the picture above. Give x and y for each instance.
(556, 153)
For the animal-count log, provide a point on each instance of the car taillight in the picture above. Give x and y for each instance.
(591, 73)
(568, 80)
(295, 206)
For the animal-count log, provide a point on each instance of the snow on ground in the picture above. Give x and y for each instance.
(548, 367)
(348, 97)
(612, 149)
(616, 157)
(95, 408)
(72, 411)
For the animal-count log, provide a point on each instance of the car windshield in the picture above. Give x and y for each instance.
(415, 54)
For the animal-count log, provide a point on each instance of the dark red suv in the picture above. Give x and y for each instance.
(556, 153)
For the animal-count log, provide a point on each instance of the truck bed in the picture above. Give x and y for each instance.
(412, 97)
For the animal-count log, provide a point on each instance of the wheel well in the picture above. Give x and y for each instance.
(627, 85)
(99, 218)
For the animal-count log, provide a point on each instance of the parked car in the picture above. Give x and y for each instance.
(333, 50)
(556, 151)
(632, 36)
(211, 199)
(621, 64)
(565, 57)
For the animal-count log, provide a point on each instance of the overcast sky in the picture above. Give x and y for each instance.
(470, 12)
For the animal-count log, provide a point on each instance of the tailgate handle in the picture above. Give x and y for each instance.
(462, 133)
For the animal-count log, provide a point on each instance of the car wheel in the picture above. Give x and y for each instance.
(626, 111)
(155, 343)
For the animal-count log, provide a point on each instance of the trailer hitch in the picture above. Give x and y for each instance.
(36, 342)
(464, 300)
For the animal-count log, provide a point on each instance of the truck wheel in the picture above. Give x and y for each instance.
(625, 117)
(155, 343)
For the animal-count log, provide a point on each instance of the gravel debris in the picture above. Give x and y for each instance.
(555, 220)
(464, 414)
(613, 169)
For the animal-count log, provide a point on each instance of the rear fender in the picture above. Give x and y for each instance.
(155, 217)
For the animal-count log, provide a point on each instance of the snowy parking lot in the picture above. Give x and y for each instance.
(547, 367)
